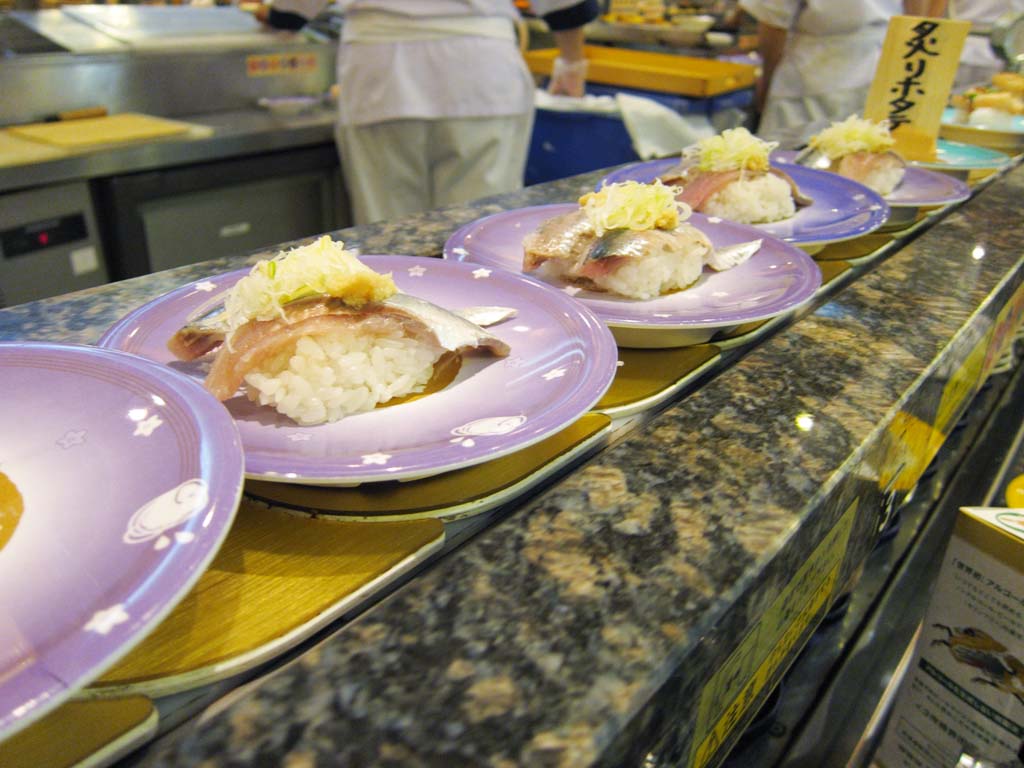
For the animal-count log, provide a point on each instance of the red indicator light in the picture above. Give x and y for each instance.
(43, 238)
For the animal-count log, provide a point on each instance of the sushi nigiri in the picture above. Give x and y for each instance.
(862, 150)
(318, 336)
(730, 176)
(629, 239)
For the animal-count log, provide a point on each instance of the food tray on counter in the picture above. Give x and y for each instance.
(684, 75)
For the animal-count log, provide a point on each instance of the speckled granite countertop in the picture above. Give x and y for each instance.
(587, 626)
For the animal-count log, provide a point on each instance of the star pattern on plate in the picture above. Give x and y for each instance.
(300, 437)
(481, 273)
(71, 438)
(146, 427)
(417, 271)
(105, 620)
(555, 373)
(206, 286)
(572, 290)
(376, 458)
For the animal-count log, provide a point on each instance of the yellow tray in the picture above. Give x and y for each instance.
(683, 75)
(648, 377)
(281, 576)
(448, 497)
(81, 733)
(89, 133)
(277, 579)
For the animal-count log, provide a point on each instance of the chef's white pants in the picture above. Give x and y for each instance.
(400, 167)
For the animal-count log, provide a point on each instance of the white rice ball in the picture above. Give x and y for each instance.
(660, 272)
(326, 378)
(756, 200)
(994, 119)
(884, 180)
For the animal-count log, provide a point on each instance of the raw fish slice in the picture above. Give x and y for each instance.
(860, 166)
(566, 249)
(619, 245)
(699, 186)
(566, 237)
(258, 340)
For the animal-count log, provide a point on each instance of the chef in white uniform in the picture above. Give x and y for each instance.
(436, 102)
(819, 58)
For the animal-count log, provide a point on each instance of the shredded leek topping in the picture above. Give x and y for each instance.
(854, 134)
(734, 149)
(635, 206)
(322, 268)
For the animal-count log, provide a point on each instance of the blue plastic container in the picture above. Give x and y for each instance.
(567, 143)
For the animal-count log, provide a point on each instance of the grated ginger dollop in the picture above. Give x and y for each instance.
(734, 149)
(854, 134)
(633, 205)
(322, 268)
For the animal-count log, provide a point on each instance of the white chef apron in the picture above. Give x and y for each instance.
(374, 27)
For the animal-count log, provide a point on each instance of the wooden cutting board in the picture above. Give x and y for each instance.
(15, 150)
(99, 131)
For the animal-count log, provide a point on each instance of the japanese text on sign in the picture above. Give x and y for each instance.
(913, 80)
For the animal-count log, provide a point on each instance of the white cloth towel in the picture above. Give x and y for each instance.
(657, 130)
(654, 129)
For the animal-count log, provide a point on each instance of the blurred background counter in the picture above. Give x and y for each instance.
(249, 159)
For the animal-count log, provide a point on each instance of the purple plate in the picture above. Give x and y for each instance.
(778, 278)
(920, 187)
(842, 209)
(562, 361)
(129, 476)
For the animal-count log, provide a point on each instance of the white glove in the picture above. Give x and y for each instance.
(568, 78)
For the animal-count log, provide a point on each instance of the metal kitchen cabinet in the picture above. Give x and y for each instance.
(49, 243)
(167, 218)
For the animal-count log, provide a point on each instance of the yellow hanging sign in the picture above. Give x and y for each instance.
(913, 80)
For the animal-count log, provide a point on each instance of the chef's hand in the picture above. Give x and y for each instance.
(568, 78)
(260, 10)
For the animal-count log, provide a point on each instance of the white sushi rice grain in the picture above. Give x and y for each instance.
(994, 119)
(756, 200)
(326, 378)
(884, 180)
(658, 273)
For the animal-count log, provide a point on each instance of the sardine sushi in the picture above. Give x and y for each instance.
(862, 150)
(730, 176)
(997, 106)
(317, 335)
(629, 239)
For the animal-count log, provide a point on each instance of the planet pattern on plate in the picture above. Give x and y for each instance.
(108, 512)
